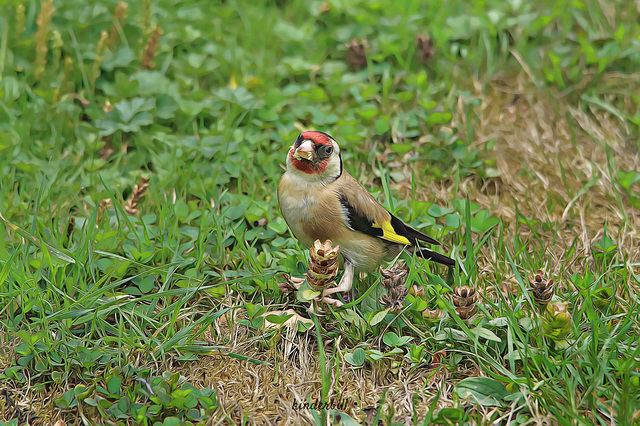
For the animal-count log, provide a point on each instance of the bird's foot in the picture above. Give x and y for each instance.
(345, 283)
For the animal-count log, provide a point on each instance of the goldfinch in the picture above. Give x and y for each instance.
(320, 200)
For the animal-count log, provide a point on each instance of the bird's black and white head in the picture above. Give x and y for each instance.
(316, 155)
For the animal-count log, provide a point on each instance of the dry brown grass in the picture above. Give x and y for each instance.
(267, 395)
(547, 148)
(25, 403)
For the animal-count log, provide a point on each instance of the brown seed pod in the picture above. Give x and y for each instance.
(542, 288)
(355, 54)
(394, 277)
(393, 281)
(464, 299)
(424, 47)
(323, 266)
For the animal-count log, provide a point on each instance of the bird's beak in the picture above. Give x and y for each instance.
(304, 151)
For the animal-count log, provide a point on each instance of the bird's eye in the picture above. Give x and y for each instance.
(328, 149)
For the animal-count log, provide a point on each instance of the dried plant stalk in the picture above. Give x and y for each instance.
(119, 16)
(102, 207)
(42, 36)
(95, 68)
(68, 82)
(150, 51)
(139, 190)
(56, 48)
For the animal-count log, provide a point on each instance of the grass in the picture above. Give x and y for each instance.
(511, 135)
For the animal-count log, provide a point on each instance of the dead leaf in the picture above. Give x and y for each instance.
(291, 323)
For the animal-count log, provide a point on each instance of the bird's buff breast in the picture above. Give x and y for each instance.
(303, 210)
(313, 212)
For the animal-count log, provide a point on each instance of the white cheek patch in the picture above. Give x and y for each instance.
(333, 166)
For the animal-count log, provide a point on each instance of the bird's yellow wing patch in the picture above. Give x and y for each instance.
(389, 234)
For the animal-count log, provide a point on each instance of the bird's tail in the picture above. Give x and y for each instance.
(436, 257)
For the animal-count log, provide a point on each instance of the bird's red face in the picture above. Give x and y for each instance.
(314, 152)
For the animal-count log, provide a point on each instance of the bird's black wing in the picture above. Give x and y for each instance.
(385, 226)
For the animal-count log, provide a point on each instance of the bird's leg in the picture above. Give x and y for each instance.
(345, 283)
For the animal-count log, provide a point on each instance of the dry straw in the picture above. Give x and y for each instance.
(139, 190)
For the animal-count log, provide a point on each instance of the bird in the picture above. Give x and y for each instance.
(319, 199)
